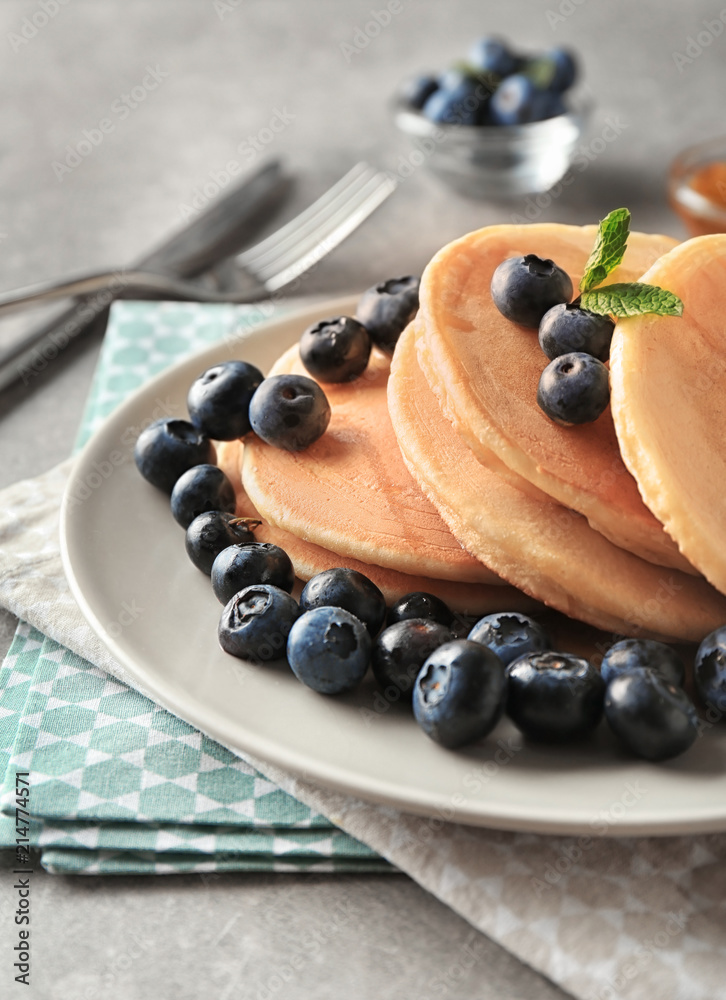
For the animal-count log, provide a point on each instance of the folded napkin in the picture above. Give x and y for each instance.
(635, 918)
(120, 785)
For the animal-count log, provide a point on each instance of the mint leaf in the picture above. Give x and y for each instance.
(488, 81)
(631, 298)
(540, 71)
(612, 237)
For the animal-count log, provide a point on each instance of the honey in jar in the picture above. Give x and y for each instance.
(699, 197)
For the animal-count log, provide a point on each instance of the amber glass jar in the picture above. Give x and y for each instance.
(697, 187)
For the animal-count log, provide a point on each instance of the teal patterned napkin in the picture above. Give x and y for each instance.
(118, 784)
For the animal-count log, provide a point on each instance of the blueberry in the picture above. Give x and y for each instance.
(244, 565)
(654, 719)
(709, 670)
(400, 650)
(385, 310)
(459, 693)
(452, 79)
(349, 589)
(483, 112)
(490, 55)
(524, 288)
(289, 411)
(564, 69)
(419, 604)
(417, 89)
(547, 104)
(329, 650)
(574, 389)
(199, 489)
(554, 696)
(566, 328)
(213, 531)
(219, 400)
(628, 654)
(256, 622)
(459, 105)
(167, 448)
(335, 350)
(510, 635)
(517, 101)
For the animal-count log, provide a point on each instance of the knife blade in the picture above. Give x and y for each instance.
(220, 230)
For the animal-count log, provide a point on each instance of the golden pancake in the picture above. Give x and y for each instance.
(541, 547)
(350, 491)
(669, 406)
(309, 559)
(484, 370)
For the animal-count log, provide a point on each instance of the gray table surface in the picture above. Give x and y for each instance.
(226, 68)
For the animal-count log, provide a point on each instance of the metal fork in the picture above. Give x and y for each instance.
(263, 269)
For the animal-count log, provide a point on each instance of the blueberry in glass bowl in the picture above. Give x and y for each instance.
(497, 125)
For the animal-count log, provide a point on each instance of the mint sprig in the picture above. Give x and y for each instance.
(625, 298)
(631, 298)
(609, 249)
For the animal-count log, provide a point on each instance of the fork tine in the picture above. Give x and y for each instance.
(345, 224)
(281, 235)
(309, 230)
(312, 235)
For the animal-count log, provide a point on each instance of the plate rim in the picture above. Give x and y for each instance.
(515, 816)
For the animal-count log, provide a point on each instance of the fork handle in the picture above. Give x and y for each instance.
(122, 284)
(215, 234)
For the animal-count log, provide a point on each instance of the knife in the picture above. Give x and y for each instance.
(219, 231)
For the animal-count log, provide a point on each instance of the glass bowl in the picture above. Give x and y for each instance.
(697, 187)
(495, 161)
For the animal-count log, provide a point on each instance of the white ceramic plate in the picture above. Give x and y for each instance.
(122, 549)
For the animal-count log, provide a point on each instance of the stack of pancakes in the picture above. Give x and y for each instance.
(439, 472)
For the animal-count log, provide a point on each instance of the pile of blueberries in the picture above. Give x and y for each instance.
(494, 86)
(229, 401)
(460, 687)
(574, 387)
